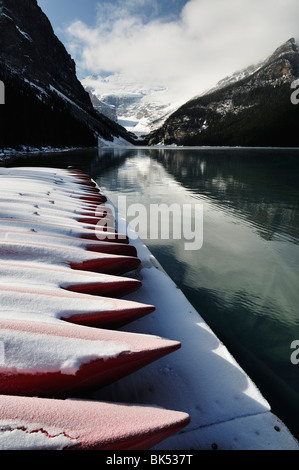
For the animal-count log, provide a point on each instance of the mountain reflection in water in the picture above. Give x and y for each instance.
(244, 280)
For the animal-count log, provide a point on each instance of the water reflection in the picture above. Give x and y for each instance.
(261, 186)
(108, 158)
(244, 280)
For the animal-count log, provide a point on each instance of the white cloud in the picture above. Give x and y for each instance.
(210, 39)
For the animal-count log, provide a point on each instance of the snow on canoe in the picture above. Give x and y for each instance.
(56, 359)
(50, 189)
(51, 185)
(76, 258)
(29, 423)
(46, 275)
(60, 207)
(80, 198)
(51, 216)
(62, 202)
(51, 176)
(9, 233)
(88, 232)
(59, 245)
(44, 173)
(74, 307)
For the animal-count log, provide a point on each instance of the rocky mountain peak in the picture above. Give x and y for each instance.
(30, 47)
(287, 53)
(251, 108)
(288, 47)
(46, 104)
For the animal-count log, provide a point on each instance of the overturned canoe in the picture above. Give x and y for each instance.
(13, 233)
(43, 424)
(101, 222)
(76, 258)
(54, 254)
(47, 276)
(55, 359)
(73, 307)
(88, 231)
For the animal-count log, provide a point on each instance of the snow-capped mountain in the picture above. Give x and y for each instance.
(236, 77)
(137, 107)
(46, 104)
(250, 108)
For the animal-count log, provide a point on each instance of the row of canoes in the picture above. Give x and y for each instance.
(61, 307)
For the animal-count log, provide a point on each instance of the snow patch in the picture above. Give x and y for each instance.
(54, 355)
(26, 36)
(139, 108)
(117, 142)
(14, 436)
(64, 97)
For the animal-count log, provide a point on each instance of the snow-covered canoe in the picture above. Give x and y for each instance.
(84, 231)
(76, 258)
(58, 245)
(11, 232)
(47, 276)
(50, 216)
(73, 307)
(56, 359)
(43, 424)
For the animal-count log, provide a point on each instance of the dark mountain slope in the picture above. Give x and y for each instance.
(254, 111)
(45, 103)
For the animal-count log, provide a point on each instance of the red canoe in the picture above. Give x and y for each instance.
(62, 180)
(45, 275)
(76, 258)
(51, 216)
(49, 187)
(74, 307)
(69, 197)
(61, 206)
(9, 233)
(44, 424)
(57, 359)
(88, 232)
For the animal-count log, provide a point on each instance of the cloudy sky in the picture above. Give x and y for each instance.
(186, 45)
